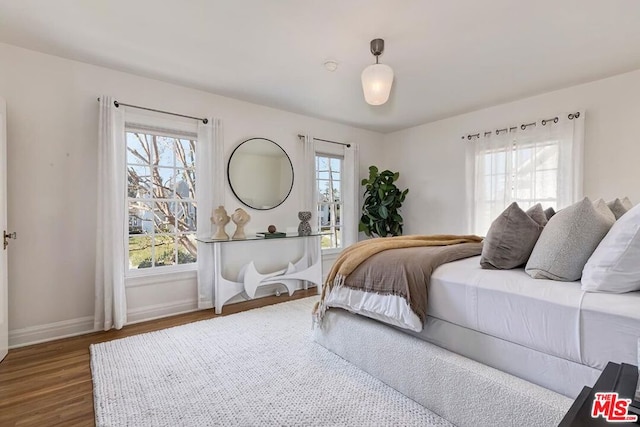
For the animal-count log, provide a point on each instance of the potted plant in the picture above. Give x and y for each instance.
(382, 200)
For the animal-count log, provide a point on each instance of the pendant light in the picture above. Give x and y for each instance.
(377, 78)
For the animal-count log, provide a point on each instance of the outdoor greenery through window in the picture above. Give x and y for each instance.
(329, 184)
(161, 179)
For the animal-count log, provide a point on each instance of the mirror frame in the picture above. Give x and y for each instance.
(229, 174)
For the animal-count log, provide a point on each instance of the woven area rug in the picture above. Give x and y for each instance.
(254, 368)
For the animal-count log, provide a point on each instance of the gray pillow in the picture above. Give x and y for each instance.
(549, 212)
(510, 239)
(603, 208)
(617, 207)
(537, 214)
(567, 242)
(627, 203)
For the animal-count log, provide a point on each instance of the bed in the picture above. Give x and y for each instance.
(546, 332)
(502, 318)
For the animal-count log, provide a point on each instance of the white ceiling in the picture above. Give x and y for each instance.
(449, 56)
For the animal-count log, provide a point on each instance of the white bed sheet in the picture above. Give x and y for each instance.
(553, 317)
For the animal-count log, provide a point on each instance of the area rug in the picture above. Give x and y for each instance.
(256, 368)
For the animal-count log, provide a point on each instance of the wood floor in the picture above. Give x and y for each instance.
(50, 384)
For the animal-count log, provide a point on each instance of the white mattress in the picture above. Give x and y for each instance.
(553, 317)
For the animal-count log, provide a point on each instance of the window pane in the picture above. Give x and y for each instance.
(324, 194)
(322, 163)
(140, 217)
(185, 184)
(138, 149)
(163, 150)
(165, 251)
(546, 184)
(187, 249)
(186, 154)
(163, 181)
(331, 237)
(138, 181)
(140, 252)
(163, 217)
(335, 165)
(336, 191)
(185, 213)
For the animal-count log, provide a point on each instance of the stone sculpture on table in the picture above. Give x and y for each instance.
(240, 218)
(220, 219)
(304, 229)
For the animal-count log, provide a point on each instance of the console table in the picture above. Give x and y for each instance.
(308, 268)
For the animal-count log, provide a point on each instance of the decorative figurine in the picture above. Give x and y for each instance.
(240, 218)
(220, 219)
(304, 229)
(271, 229)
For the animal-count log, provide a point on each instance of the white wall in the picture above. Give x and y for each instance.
(431, 157)
(52, 159)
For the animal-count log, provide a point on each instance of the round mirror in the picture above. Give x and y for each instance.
(260, 173)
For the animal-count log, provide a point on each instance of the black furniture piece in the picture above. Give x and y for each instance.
(621, 378)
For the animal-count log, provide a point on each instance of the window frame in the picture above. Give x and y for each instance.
(340, 204)
(142, 123)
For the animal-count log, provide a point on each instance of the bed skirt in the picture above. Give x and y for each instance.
(463, 391)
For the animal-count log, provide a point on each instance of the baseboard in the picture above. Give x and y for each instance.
(51, 331)
(157, 311)
(85, 325)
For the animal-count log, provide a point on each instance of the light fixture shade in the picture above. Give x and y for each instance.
(376, 83)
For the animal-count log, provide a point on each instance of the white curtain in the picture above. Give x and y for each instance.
(209, 195)
(110, 297)
(538, 164)
(351, 206)
(309, 189)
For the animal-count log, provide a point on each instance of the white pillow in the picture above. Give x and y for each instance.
(615, 264)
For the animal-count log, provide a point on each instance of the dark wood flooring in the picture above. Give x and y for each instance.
(50, 384)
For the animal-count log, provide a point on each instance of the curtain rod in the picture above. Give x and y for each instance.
(118, 104)
(523, 126)
(326, 140)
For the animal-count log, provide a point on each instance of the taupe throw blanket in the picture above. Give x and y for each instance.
(371, 266)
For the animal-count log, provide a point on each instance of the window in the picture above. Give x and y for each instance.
(330, 204)
(161, 180)
(523, 174)
(540, 164)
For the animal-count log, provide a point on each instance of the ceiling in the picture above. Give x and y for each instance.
(449, 56)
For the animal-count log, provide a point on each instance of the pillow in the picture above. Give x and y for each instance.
(615, 264)
(567, 242)
(549, 212)
(602, 207)
(510, 239)
(537, 214)
(627, 203)
(617, 208)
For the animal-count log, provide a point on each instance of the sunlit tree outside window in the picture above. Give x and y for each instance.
(161, 182)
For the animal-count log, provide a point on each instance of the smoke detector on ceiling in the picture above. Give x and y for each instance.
(331, 65)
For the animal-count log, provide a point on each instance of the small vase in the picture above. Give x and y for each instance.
(304, 229)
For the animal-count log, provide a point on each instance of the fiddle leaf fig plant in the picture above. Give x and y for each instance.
(382, 200)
